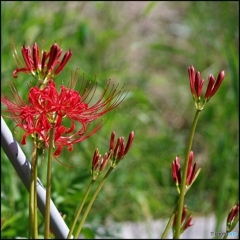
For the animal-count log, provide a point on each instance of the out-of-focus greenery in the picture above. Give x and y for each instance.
(148, 45)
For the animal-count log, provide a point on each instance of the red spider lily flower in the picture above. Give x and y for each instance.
(196, 85)
(192, 171)
(67, 112)
(42, 66)
(232, 218)
(118, 152)
(186, 220)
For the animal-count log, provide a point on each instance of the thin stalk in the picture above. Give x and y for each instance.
(35, 198)
(22, 166)
(91, 202)
(225, 236)
(169, 222)
(171, 219)
(184, 176)
(80, 209)
(33, 227)
(48, 188)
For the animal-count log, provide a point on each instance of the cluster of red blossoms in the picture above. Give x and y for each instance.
(115, 155)
(196, 85)
(186, 220)
(66, 112)
(42, 66)
(192, 171)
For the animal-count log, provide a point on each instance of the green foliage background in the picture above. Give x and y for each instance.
(148, 46)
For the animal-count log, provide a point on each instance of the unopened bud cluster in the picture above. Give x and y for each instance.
(186, 220)
(192, 172)
(196, 85)
(115, 154)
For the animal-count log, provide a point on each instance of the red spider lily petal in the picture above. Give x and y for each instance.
(55, 53)
(211, 81)
(176, 173)
(193, 173)
(191, 73)
(189, 171)
(26, 52)
(58, 120)
(58, 132)
(220, 78)
(16, 71)
(36, 56)
(64, 61)
(45, 56)
(104, 162)
(189, 174)
(214, 85)
(58, 151)
(129, 143)
(120, 153)
(23, 141)
(233, 213)
(95, 159)
(119, 142)
(198, 84)
(111, 145)
(71, 129)
(183, 216)
(188, 223)
(70, 147)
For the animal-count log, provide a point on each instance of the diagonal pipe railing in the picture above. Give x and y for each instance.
(23, 167)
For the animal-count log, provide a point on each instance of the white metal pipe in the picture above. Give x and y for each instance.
(23, 167)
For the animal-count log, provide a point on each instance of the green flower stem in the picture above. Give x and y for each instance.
(80, 209)
(225, 237)
(169, 222)
(33, 226)
(171, 218)
(91, 202)
(184, 176)
(48, 189)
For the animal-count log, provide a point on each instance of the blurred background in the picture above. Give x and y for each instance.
(149, 46)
